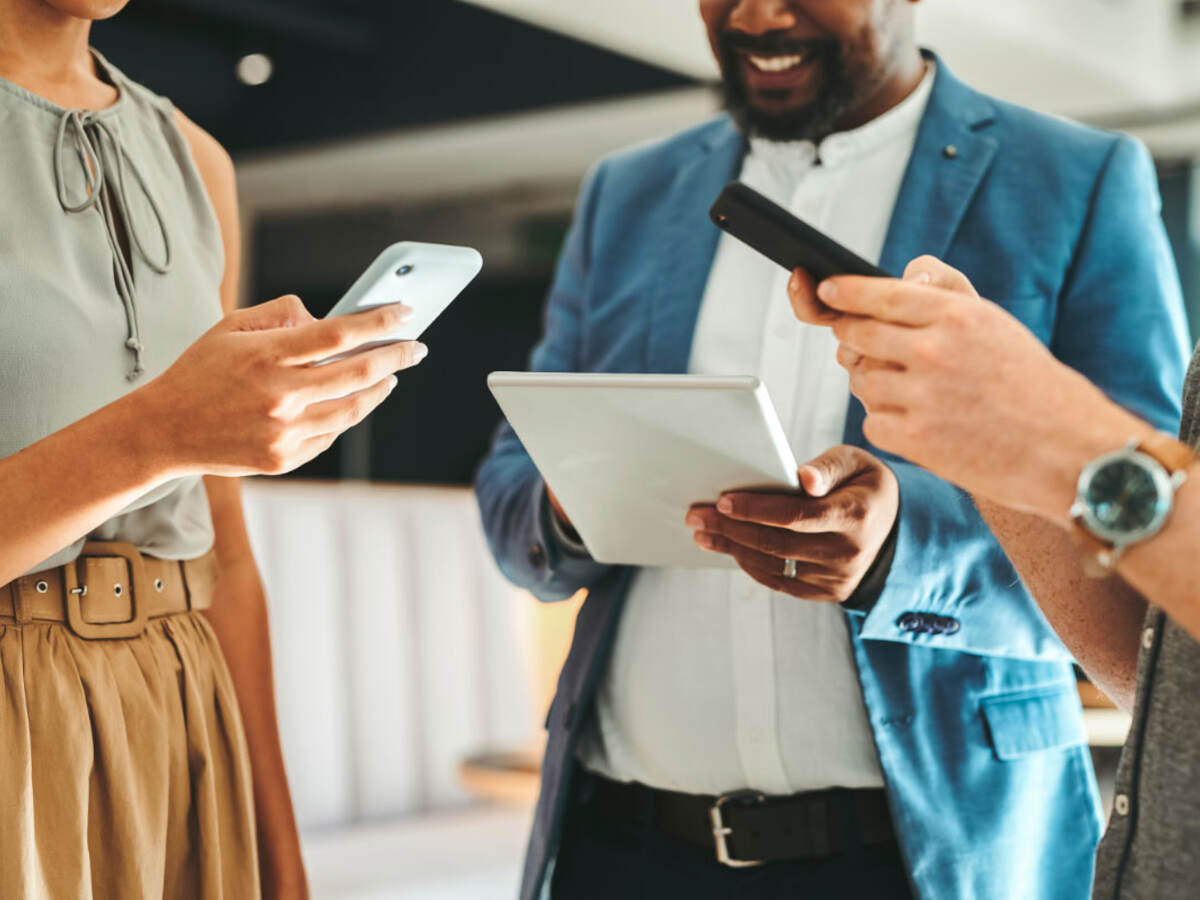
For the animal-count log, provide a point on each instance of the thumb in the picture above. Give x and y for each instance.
(821, 476)
(802, 292)
(283, 312)
(932, 271)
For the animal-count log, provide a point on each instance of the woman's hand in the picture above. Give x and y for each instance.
(955, 383)
(245, 399)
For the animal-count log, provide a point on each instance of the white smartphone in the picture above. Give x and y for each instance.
(425, 277)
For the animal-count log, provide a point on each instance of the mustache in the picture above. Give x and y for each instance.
(775, 44)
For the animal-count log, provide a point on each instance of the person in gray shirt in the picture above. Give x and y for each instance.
(1099, 513)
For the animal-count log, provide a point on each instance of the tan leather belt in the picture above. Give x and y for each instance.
(111, 591)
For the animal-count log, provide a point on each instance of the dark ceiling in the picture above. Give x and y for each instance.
(349, 67)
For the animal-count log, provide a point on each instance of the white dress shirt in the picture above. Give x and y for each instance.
(717, 683)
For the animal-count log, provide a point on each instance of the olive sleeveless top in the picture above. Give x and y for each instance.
(110, 266)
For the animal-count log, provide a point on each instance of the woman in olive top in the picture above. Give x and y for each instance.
(131, 396)
(1099, 513)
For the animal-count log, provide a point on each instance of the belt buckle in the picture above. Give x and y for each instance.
(721, 831)
(98, 631)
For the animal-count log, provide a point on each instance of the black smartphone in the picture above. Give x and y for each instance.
(778, 235)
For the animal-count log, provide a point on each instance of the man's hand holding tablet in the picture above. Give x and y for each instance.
(818, 546)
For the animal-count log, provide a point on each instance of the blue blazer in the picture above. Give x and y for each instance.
(979, 731)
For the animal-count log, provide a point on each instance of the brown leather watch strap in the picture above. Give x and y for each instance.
(1172, 455)
(1099, 558)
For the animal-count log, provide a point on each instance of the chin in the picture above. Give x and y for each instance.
(92, 10)
(775, 122)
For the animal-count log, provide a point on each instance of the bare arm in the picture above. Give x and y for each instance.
(239, 611)
(65, 485)
(1099, 621)
(1165, 569)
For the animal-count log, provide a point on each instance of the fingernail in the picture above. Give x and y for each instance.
(921, 278)
(392, 382)
(827, 290)
(420, 352)
(695, 520)
(704, 539)
(725, 505)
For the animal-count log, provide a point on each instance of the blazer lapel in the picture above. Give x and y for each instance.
(951, 156)
(688, 245)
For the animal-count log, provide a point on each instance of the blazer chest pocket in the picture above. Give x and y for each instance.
(1030, 721)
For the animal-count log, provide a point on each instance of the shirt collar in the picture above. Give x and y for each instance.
(901, 121)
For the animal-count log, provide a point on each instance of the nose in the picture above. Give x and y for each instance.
(762, 16)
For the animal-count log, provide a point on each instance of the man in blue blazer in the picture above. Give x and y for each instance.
(874, 706)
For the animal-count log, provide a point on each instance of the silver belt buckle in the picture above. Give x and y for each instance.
(721, 831)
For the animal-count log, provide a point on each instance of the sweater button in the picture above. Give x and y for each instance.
(1148, 638)
(1121, 804)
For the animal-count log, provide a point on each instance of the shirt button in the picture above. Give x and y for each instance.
(1148, 638)
(1121, 804)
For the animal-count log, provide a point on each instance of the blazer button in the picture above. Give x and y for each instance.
(950, 625)
(537, 556)
(909, 621)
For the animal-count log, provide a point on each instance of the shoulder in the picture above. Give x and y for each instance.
(640, 174)
(212, 160)
(1038, 147)
(663, 154)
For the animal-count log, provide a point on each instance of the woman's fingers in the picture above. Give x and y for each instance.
(324, 338)
(337, 379)
(282, 312)
(332, 417)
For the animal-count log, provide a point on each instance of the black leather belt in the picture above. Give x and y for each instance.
(747, 828)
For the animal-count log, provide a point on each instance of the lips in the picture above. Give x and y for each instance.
(789, 70)
(775, 64)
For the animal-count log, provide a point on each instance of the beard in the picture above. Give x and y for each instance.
(810, 122)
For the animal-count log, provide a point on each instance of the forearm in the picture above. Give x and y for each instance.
(239, 618)
(1165, 569)
(1162, 569)
(59, 489)
(1099, 621)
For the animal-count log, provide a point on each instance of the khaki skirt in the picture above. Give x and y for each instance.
(123, 767)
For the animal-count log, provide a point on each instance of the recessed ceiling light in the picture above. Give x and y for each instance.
(255, 69)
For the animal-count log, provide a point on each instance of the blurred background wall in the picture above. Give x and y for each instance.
(357, 123)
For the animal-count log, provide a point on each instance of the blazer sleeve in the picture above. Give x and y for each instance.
(1120, 321)
(511, 493)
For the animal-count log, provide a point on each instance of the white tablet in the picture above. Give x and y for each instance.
(628, 455)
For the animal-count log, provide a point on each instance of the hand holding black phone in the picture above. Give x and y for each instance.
(778, 235)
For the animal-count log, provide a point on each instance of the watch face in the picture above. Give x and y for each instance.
(1125, 498)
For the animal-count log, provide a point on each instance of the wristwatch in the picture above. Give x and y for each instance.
(1126, 497)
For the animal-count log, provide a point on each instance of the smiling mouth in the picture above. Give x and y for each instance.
(774, 65)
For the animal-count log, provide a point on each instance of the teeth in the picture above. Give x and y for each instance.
(776, 63)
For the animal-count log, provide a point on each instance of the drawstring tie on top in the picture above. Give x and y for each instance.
(103, 159)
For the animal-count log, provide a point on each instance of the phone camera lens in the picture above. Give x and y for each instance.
(404, 270)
